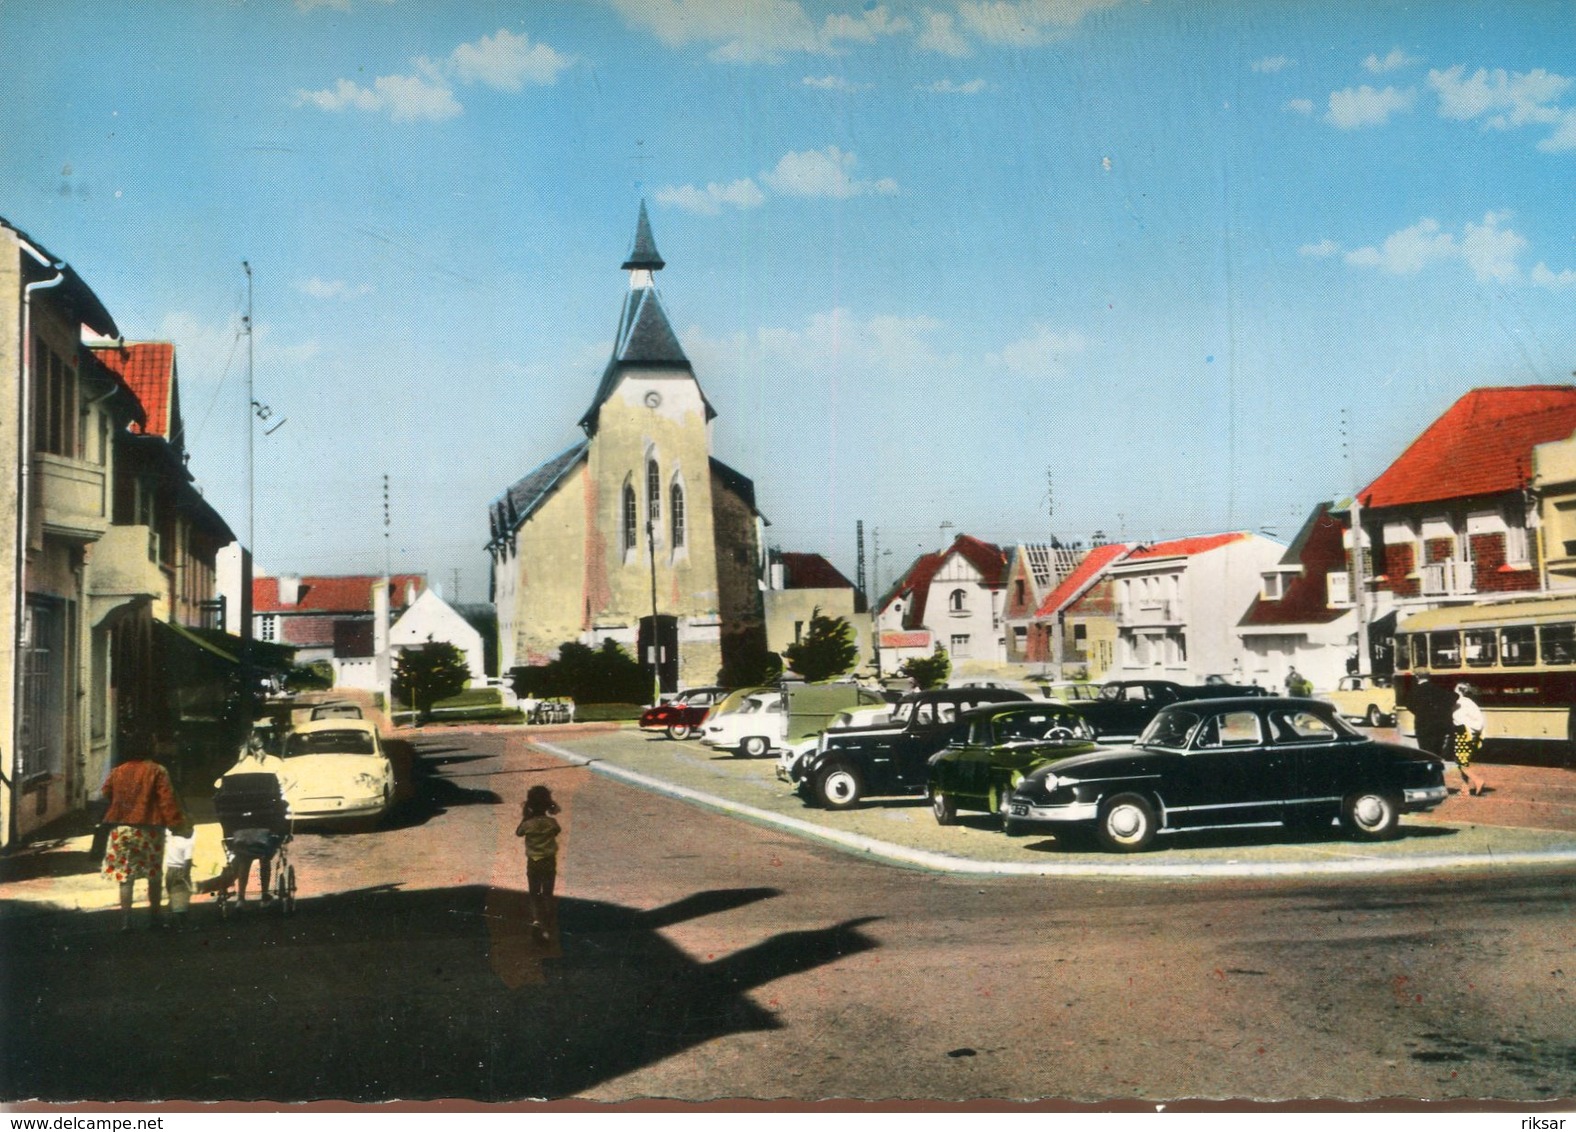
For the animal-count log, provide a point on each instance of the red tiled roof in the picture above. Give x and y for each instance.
(1320, 547)
(988, 558)
(1083, 575)
(897, 639)
(148, 368)
(1482, 445)
(810, 572)
(342, 593)
(1186, 547)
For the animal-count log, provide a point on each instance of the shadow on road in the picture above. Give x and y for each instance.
(424, 792)
(1235, 838)
(377, 994)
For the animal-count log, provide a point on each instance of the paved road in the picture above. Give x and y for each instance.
(703, 957)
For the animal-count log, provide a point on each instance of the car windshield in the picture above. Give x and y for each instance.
(1170, 729)
(345, 742)
(901, 713)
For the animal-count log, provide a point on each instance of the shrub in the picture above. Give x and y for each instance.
(928, 671)
(432, 672)
(827, 649)
(587, 675)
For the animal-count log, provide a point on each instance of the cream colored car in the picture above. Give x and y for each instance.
(1367, 699)
(336, 768)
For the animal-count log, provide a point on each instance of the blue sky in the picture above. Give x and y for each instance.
(1196, 265)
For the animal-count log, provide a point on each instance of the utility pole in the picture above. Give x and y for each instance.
(859, 540)
(249, 558)
(656, 635)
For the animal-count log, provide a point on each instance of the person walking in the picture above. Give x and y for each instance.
(1468, 721)
(178, 844)
(248, 845)
(142, 805)
(1432, 704)
(540, 830)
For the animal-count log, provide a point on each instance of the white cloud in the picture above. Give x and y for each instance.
(823, 173)
(1505, 99)
(828, 342)
(1563, 139)
(761, 31)
(709, 201)
(1544, 276)
(1300, 106)
(941, 35)
(1043, 353)
(1324, 249)
(331, 288)
(1270, 65)
(1364, 106)
(872, 23)
(503, 61)
(1490, 250)
(506, 61)
(836, 82)
(1391, 62)
(947, 86)
(1026, 23)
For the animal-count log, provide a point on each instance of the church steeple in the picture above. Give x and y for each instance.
(645, 338)
(643, 256)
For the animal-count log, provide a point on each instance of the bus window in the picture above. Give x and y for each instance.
(1403, 653)
(1444, 649)
(1480, 647)
(1419, 650)
(1558, 643)
(1518, 646)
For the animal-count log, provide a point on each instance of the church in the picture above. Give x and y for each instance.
(636, 533)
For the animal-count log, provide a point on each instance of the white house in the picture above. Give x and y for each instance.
(952, 598)
(430, 618)
(1179, 603)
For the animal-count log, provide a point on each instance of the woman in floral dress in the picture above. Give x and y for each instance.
(142, 804)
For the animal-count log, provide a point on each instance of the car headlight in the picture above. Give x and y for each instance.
(1049, 784)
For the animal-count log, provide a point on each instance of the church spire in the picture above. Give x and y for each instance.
(643, 256)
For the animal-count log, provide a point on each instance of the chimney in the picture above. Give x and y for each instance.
(289, 589)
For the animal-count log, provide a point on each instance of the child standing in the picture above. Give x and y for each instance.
(178, 842)
(540, 831)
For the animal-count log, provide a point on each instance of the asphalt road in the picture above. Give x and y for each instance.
(704, 957)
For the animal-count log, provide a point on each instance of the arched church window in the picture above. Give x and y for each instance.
(653, 493)
(631, 519)
(676, 515)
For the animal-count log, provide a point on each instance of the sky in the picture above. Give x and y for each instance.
(1020, 270)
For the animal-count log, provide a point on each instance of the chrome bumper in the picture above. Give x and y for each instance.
(1024, 811)
(1424, 797)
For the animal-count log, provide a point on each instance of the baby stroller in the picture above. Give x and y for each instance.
(256, 823)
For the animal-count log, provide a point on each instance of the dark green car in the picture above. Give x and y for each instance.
(1003, 744)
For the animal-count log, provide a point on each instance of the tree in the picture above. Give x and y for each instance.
(434, 671)
(608, 675)
(827, 649)
(928, 671)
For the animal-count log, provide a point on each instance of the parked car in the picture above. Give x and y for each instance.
(1125, 707)
(683, 716)
(337, 768)
(851, 763)
(872, 715)
(1000, 744)
(337, 711)
(1243, 761)
(786, 719)
(1368, 699)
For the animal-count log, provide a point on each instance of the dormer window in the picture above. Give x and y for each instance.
(958, 601)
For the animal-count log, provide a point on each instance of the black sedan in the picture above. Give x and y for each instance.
(1233, 762)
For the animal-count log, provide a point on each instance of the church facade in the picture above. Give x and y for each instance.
(636, 533)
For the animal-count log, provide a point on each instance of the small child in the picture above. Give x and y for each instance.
(178, 842)
(541, 855)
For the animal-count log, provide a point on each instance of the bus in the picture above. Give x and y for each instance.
(1519, 655)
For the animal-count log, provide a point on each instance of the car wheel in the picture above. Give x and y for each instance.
(1371, 815)
(1011, 826)
(838, 787)
(944, 807)
(284, 889)
(754, 747)
(1375, 716)
(677, 731)
(1127, 824)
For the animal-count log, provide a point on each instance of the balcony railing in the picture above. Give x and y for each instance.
(72, 496)
(1150, 612)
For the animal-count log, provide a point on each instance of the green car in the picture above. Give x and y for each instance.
(1002, 744)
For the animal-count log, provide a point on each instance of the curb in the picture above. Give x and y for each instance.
(964, 866)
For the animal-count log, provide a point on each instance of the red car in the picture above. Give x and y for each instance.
(682, 716)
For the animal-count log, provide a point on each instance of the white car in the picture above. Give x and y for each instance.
(336, 768)
(754, 729)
